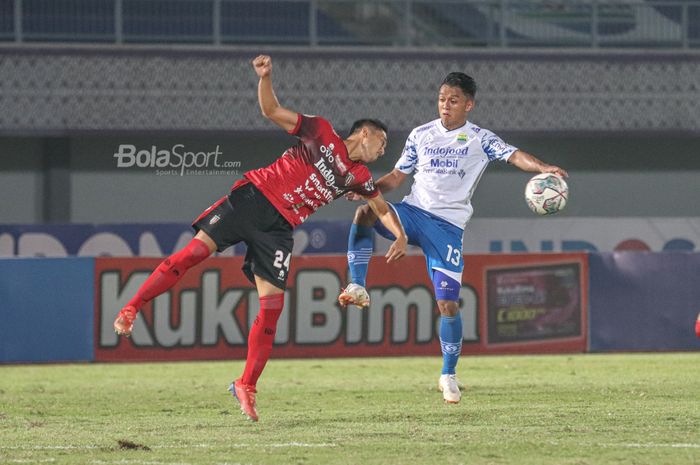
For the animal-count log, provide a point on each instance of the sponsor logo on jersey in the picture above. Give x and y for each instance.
(349, 179)
(438, 163)
(445, 151)
(328, 152)
(327, 174)
(496, 145)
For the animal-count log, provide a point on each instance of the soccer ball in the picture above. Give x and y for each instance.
(546, 193)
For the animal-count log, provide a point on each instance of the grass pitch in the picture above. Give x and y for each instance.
(569, 409)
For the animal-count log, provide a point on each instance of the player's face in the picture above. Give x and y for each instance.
(374, 144)
(453, 106)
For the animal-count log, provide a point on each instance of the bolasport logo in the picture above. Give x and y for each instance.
(176, 161)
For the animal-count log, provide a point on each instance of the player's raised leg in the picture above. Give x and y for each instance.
(163, 278)
(360, 248)
(260, 341)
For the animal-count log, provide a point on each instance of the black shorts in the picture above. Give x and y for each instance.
(245, 215)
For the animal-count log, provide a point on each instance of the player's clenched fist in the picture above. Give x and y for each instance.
(262, 65)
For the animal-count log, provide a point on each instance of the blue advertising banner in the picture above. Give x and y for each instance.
(644, 301)
(146, 240)
(46, 309)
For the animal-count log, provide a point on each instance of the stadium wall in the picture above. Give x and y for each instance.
(612, 175)
(63, 89)
(623, 122)
(510, 303)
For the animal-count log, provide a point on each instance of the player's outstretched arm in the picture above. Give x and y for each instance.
(391, 180)
(269, 105)
(388, 218)
(528, 162)
(386, 183)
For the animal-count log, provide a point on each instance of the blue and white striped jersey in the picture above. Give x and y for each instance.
(447, 166)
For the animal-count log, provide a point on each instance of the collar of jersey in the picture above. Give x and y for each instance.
(444, 130)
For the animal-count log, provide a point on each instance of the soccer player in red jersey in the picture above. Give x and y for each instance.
(262, 210)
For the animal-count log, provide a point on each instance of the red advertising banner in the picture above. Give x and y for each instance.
(509, 303)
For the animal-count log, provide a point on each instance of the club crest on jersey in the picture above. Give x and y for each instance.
(462, 137)
(349, 179)
(214, 219)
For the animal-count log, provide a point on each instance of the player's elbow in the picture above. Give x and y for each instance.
(267, 112)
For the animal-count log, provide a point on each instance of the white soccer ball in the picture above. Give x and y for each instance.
(546, 193)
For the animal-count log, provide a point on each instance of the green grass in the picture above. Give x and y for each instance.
(568, 409)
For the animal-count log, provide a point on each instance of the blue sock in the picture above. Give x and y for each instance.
(360, 243)
(450, 342)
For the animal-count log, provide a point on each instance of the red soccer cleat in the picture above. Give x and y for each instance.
(697, 326)
(245, 395)
(124, 323)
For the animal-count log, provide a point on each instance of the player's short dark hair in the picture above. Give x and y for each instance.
(461, 80)
(372, 123)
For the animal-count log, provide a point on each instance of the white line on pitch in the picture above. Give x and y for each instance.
(174, 446)
(288, 444)
(136, 462)
(32, 460)
(47, 447)
(650, 445)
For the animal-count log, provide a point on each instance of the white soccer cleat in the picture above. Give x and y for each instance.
(450, 389)
(354, 294)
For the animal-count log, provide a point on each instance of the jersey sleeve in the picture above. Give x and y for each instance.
(309, 126)
(495, 148)
(365, 185)
(409, 157)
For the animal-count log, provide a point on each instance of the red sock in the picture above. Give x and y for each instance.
(169, 272)
(697, 326)
(261, 337)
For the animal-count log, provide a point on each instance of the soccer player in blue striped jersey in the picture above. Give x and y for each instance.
(446, 157)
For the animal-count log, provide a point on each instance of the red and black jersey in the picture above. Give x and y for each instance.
(312, 173)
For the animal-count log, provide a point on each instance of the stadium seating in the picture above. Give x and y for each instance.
(6, 20)
(650, 24)
(184, 21)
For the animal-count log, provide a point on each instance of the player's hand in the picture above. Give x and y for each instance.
(353, 196)
(556, 170)
(262, 65)
(397, 249)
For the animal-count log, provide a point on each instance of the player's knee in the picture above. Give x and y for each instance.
(448, 307)
(180, 262)
(170, 265)
(446, 293)
(364, 216)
